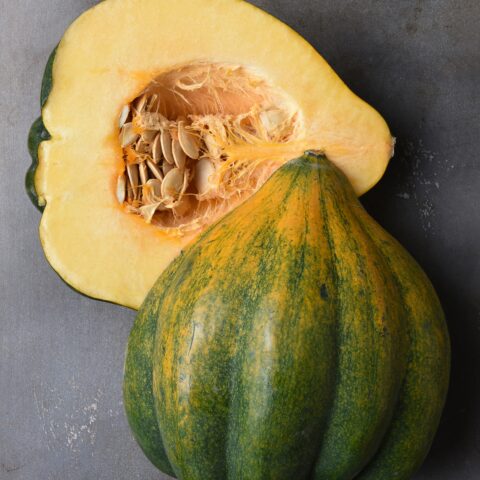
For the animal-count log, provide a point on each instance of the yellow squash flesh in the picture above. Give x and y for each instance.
(109, 55)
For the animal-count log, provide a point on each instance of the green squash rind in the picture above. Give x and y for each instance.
(47, 80)
(38, 134)
(422, 397)
(351, 439)
(197, 452)
(138, 389)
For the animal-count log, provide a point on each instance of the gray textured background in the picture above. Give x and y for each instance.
(61, 357)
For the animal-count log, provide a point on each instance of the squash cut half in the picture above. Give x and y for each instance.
(160, 117)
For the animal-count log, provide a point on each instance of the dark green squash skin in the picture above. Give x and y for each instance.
(142, 418)
(266, 354)
(38, 133)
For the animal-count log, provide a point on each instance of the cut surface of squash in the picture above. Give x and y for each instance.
(163, 116)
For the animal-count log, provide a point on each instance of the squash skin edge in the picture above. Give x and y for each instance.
(38, 134)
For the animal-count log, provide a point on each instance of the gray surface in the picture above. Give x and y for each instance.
(61, 355)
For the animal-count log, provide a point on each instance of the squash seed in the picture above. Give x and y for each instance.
(140, 103)
(127, 135)
(141, 147)
(166, 141)
(156, 187)
(142, 169)
(129, 195)
(157, 173)
(173, 184)
(152, 191)
(151, 103)
(204, 171)
(148, 211)
(188, 142)
(132, 171)
(156, 149)
(121, 188)
(123, 116)
(179, 155)
(166, 167)
(149, 135)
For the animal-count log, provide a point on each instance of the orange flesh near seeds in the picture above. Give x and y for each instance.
(231, 108)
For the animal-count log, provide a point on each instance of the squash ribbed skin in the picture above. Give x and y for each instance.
(38, 134)
(426, 381)
(138, 390)
(295, 339)
(371, 342)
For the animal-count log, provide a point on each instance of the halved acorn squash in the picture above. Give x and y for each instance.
(159, 117)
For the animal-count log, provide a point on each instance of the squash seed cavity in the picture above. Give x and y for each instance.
(199, 140)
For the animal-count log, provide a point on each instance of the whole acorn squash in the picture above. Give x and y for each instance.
(295, 339)
(230, 90)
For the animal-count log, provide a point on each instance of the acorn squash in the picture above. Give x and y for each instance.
(159, 117)
(296, 339)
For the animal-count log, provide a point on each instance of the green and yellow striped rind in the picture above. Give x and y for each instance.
(138, 389)
(294, 339)
(425, 385)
